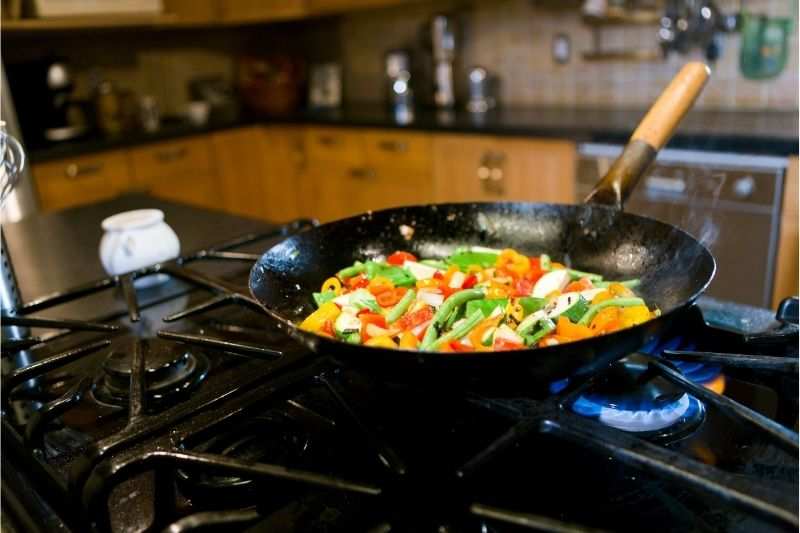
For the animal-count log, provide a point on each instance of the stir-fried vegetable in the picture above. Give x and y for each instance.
(475, 300)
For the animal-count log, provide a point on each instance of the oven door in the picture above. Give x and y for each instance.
(731, 203)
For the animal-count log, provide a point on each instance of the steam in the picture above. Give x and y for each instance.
(704, 190)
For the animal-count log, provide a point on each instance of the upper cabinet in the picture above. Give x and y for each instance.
(490, 169)
(260, 10)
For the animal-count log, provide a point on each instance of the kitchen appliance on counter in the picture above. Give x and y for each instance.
(730, 202)
(482, 90)
(42, 91)
(187, 408)
(325, 86)
(399, 90)
(271, 85)
(443, 43)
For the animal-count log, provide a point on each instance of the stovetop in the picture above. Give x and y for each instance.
(197, 412)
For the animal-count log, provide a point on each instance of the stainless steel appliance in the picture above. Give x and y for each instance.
(481, 90)
(730, 202)
(443, 41)
(400, 93)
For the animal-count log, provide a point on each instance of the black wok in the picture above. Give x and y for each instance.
(674, 268)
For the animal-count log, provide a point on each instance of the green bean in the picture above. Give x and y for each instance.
(468, 325)
(449, 305)
(547, 326)
(401, 306)
(457, 313)
(544, 262)
(614, 302)
(357, 268)
(577, 274)
(630, 283)
(435, 263)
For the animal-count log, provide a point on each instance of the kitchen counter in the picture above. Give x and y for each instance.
(56, 251)
(744, 132)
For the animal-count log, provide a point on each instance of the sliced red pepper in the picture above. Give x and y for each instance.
(438, 275)
(370, 318)
(470, 281)
(390, 297)
(327, 328)
(501, 345)
(398, 258)
(357, 282)
(412, 320)
(457, 346)
(523, 287)
(582, 284)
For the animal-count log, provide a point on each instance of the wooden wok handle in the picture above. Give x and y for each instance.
(650, 136)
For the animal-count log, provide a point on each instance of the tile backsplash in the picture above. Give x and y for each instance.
(512, 38)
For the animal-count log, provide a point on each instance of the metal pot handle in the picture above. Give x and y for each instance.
(650, 136)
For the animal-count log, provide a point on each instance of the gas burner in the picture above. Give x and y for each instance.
(630, 399)
(171, 371)
(273, 437)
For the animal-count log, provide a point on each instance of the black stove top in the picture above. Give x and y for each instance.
(195, 412)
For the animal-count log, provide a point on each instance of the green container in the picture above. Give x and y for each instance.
(765, 45)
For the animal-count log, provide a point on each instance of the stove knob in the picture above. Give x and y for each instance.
(744, 187)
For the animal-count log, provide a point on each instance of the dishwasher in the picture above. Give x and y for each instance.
(729, 202)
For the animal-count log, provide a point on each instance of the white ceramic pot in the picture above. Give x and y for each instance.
(136, 239)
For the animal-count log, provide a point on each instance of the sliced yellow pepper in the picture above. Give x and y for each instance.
(332, 284)
(513, 261)
(317, 319)
(382, 341)
(568, 330)
(620, 290)
(409, 341)
(631, 316)
(601, 297)
(427, 283)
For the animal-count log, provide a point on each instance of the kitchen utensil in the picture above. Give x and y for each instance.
(481, 90)
(765, 45)
(598, 236)
(13, 161)
(400, 95)
(325, 86)
(149, 114)
(136, 239)
(443, 41)
(220, 95)
(198, 112)
(108, 108)
(271, 85)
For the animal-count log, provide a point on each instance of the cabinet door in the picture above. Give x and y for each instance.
(182, 170)
(81, 180)
(487, 169)
(260, 10)
(258, 171)
(330, 6)
(786, 269)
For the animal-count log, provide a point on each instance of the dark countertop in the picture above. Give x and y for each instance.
(53, 252)
(744, 132)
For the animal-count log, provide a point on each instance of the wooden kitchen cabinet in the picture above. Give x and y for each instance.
(182, 170)
(350, 171)
(488, 169)
(786, 270)
(260, 10)
(259, 171)
(81, 180)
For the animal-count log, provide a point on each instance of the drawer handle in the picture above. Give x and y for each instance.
(165, 156)
(328, 140)
(362, 173)
(75, 171)
(393, 146)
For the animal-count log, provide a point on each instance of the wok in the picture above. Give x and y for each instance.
(596, 236)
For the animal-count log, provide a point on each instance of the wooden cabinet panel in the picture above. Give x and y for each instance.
(786, 271)
(81, 180)
(259, 171)
(193, 11)
(404, 152)
(260, 10)
(468, 168)
(181, 170)
(328, 6)
(335, 145)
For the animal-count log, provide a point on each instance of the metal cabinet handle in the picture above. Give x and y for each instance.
(393, 146)
(165, 156)
(74, 170)
(362, 173)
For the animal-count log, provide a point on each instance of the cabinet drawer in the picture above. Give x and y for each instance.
(81, 180)
(406, 152)
(334, 145)
(173, 158)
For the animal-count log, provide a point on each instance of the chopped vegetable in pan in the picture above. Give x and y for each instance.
(476, 300)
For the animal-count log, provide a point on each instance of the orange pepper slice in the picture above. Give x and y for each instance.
(565, 328)
(513, 262)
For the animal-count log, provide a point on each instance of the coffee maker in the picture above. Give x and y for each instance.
(42, 92)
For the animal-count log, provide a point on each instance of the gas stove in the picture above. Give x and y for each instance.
(192, 410)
